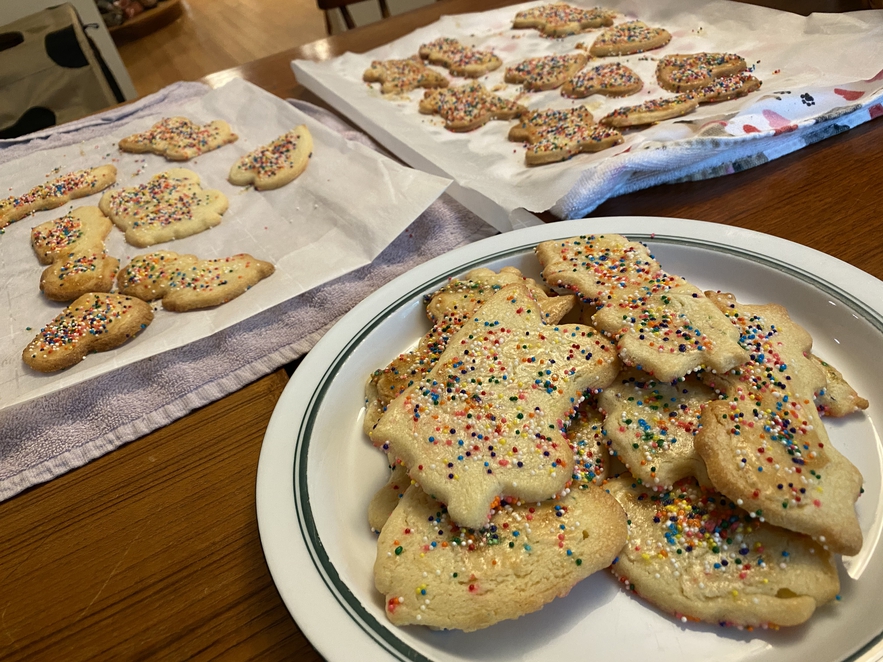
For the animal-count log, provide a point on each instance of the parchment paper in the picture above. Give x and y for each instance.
(349, 204)
(813, 69)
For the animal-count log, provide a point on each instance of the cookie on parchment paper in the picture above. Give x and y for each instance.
(629, 38)
(652, 111)
(398, 76)
(56, 192)
(275, 164)
(691, 71)
(95, 322)
(611, 79)
(557, 135)
(84, 225)
(184, 282)
(546, 72)
(434, 573)
(459, 59)
(179, 138)
(170, 205)
(561, 20)
(467, 107)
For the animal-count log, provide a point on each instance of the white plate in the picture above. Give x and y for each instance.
(317, 471)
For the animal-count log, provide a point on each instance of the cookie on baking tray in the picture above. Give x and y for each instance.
(179, 139)
(447, 309)
(459, 59)
(611, 79)
(170, 205)
(56, 192)
(557, 135)
(650, 426)
(83, 225)
(694, 553)
(628, 38)
(184, 282)
(95, 322)
(546, 72)
(275, 164)
(685, 72)
(485, 422)
(433, 572)
(467, 107)
(397, 76)
(560, 19)
(660, 322)
(726, 87)
(763, 443)
(650, 112)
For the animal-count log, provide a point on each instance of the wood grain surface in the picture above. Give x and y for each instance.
(152, 551)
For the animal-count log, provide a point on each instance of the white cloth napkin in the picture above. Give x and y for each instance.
(47, 437)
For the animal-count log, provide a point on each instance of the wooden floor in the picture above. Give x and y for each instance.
(218, 34)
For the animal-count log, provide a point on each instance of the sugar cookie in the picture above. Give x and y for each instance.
(682, 73)
(468, 106)
(726, 87)
(179, 139)
(397, 76)
(611, 79)
(95, 322)
(460, 60)
(547, 72)
(560, 19)
(650, 112)
(836, 398)
(693, 553)
(557, 135)
(60, 236)
(434, 573)
(628, 38)
(486, 421)
(170, 205)
(276, 164)
(184, 282)
(56, 193)
(661, 323)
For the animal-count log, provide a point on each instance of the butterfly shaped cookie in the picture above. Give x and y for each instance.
(179, 139)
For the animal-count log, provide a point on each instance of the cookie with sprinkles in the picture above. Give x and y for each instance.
(611, 79)
(560, 19)
(276, 164)
(661, 323)
(95, 322)
(628, 38)
(557, 135)
(84, 270)
(170, 205)
(685, 72)
(84, 225)
(726, 87)
(763, 442)
(650, 426)
(468, 107)
(179, 139)
(650, 112)
(385, 500)
(591, 458)
(184, 282)
(447, 309)
(433, 572)
(56, 193)
(487, 421)
(545, 73)
(460, 60)
(837, 398)
(695, 554)
(398, 76)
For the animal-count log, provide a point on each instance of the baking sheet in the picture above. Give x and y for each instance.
(813, 69)
(349, 204)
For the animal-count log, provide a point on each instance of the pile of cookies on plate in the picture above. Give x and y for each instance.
(633, 422)
(108, 305)
(553, 135)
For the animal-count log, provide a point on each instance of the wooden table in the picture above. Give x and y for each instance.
(153, 551)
